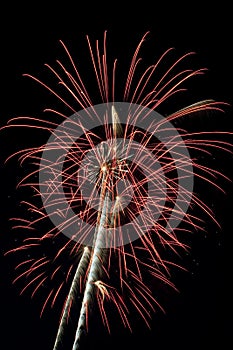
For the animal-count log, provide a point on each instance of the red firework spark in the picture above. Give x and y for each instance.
(114, 175)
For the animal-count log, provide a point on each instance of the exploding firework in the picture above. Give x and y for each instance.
(116, 179)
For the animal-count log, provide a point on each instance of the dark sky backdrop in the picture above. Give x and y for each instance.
(197, 317)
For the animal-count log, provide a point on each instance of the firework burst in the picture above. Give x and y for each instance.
(116, 180)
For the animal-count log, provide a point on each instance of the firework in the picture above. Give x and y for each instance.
(116, 180)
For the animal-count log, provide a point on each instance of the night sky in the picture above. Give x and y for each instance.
(197, 317)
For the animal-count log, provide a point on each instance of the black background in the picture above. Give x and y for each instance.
(197, 317)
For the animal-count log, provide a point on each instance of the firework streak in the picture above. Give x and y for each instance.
(117, 189)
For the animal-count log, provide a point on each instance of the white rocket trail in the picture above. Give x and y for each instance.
(92, 259)
(82, 266)
(100, 239)
(95, 268)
